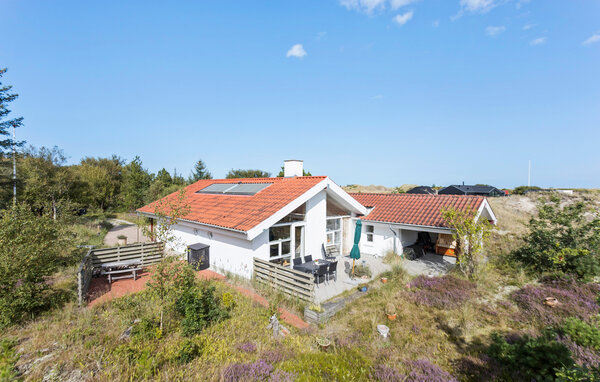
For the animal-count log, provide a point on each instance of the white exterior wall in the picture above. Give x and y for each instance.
(232, 252)
(383, 239)
(229, 252)
(316, 220)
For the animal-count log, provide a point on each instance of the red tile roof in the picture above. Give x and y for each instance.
(414, 209)
(240, 212)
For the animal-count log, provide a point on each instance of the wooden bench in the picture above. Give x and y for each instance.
(110, 274)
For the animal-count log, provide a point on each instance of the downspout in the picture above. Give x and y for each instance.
(395, 237)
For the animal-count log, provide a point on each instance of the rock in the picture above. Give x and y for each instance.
(126, 335)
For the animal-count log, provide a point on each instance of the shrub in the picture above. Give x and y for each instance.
(247, 347)
(527, 358)
(362, 270)
(446, 292)
(385, 373)
(8, 359)
(253, 371)
(189, 350)
(562, 239)
(343, 365)
(147, 329)
(199, 307)
(575, 299)
(424, 371)
(582, 355)
(582, 333)
(31, 248)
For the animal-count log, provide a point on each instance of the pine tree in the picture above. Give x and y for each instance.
(6, 96)
(200, 172)
(136, 182)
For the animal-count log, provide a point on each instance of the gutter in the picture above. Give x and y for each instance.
(196, 222)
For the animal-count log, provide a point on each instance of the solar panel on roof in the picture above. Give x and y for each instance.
(216, 188)
(247, 188)
(234, 188)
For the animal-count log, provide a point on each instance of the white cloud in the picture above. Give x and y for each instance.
(296, 51)
(592, 39)
(435, 23)
(395, 4)
(538, 41)
(494, 31)
(527, 27)
(477, 6)
(403, 18)
(367, 6)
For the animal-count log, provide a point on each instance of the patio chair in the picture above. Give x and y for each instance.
(297, 261)
(321, 272)
(307, 259)
(332, 271)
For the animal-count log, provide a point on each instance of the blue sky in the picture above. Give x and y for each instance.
(377, 91)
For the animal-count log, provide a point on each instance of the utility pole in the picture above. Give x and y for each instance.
(529, 175)
(14, 166)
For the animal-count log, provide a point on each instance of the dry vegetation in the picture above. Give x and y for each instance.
(443, 327)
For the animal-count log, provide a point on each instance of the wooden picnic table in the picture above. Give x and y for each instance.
(124, 269)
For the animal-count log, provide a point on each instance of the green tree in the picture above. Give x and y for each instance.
(31, 249)
(100, 181)
(136, 182)
(163, 184)
(239, 173)
(45, 182)
(199, 172)
(282, 172)
(470, 234)
(562, 238)
(6, 124)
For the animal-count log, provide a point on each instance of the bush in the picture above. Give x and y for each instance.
(423, 370)
(31, 249)
(562, 239)
(8, 359)
(199, 307)
(189, 350)
(525, 358)
(582, 333)
(446, 292)
(575, 299)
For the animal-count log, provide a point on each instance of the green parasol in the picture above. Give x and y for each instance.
(355, 252)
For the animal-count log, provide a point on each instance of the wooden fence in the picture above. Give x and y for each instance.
(290, 282)
(147, 253)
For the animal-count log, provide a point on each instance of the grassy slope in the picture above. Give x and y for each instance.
(86, 342)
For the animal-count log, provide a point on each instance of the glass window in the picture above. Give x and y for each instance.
(333, 224)
(369, 229)
(274, 250)
(279, 233)
(334, 231)
(285, 247)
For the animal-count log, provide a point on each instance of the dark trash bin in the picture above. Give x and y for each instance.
(199, 256)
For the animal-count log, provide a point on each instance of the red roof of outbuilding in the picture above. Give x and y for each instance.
(240, 212)
(414, 209)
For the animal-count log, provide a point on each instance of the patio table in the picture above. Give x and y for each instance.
(119, 268)
(311, 266)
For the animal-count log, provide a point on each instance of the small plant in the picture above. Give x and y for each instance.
(316, 308)
(390, 308)
(199, 307)
(362, 270)
(189, 350)
(8, 359)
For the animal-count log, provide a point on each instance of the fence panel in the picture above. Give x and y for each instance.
(289, 281)
(147, 253)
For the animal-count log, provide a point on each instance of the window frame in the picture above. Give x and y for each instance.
(339, 231)
(370, 234)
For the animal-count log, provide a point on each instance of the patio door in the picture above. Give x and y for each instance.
(298, 240)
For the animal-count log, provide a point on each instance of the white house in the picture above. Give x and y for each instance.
(277, 219)
(272, 219)
(395, 221)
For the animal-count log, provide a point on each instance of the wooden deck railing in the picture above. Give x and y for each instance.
(290, 282)
(147, 253)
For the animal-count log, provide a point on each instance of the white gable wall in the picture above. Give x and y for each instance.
(228, 253)
(316, 220)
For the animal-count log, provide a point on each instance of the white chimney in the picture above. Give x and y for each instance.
(292, 167)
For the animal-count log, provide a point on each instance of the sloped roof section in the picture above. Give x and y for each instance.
(415, 209)
(240, 212)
